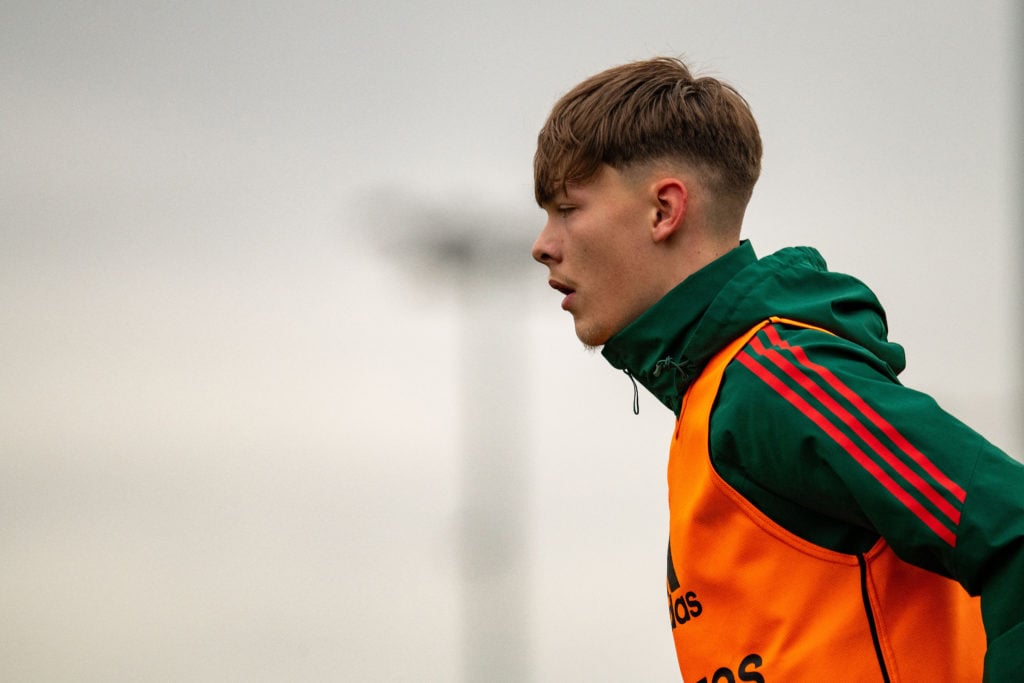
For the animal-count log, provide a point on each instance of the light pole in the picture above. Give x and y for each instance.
(483, 252)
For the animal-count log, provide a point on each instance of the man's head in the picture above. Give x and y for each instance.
(645, 173)
(648, 111)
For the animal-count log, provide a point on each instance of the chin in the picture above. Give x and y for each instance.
(591, 336)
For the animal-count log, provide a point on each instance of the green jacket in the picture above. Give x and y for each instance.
(802, 474)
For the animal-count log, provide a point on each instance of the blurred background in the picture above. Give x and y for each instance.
(284, 397)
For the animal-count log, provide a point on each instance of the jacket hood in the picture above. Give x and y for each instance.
(670, 343)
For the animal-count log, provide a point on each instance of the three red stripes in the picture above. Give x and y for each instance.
(812, 379)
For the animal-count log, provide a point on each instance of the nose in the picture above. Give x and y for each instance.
(545, 247)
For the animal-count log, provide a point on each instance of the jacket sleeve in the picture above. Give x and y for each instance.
(807, 420)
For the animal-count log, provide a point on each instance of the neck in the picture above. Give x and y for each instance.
(689, 256)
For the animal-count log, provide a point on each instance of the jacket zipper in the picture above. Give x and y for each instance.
(871, 617)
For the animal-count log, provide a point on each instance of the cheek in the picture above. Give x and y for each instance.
(620, 260)
(615, 288)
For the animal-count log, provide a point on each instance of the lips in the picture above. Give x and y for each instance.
(565, 289)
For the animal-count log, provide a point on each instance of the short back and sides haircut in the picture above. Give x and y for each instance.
(650, 111)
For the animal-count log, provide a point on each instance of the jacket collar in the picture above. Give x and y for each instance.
(652, 348)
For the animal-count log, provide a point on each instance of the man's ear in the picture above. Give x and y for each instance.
(671, 198)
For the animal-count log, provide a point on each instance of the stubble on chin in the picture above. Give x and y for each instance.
(591, 339)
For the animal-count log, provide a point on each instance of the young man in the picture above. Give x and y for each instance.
(826, 522)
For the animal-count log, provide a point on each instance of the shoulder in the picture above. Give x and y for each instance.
(788, 412)
(816, 419)
(793, 351)
(788, 374)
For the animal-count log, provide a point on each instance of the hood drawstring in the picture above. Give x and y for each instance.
(636, 392)
(684, 367)
(684, 372)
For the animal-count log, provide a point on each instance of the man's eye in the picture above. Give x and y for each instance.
(565, 209)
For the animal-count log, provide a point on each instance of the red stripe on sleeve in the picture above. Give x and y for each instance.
(858, 427)
(851, 448)
(888, 429)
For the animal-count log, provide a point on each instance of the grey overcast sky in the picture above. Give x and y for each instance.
(241, 402)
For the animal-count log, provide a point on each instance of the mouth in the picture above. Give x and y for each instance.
(564, 289)
(568, 291)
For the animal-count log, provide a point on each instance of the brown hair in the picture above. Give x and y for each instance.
(647, 111)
